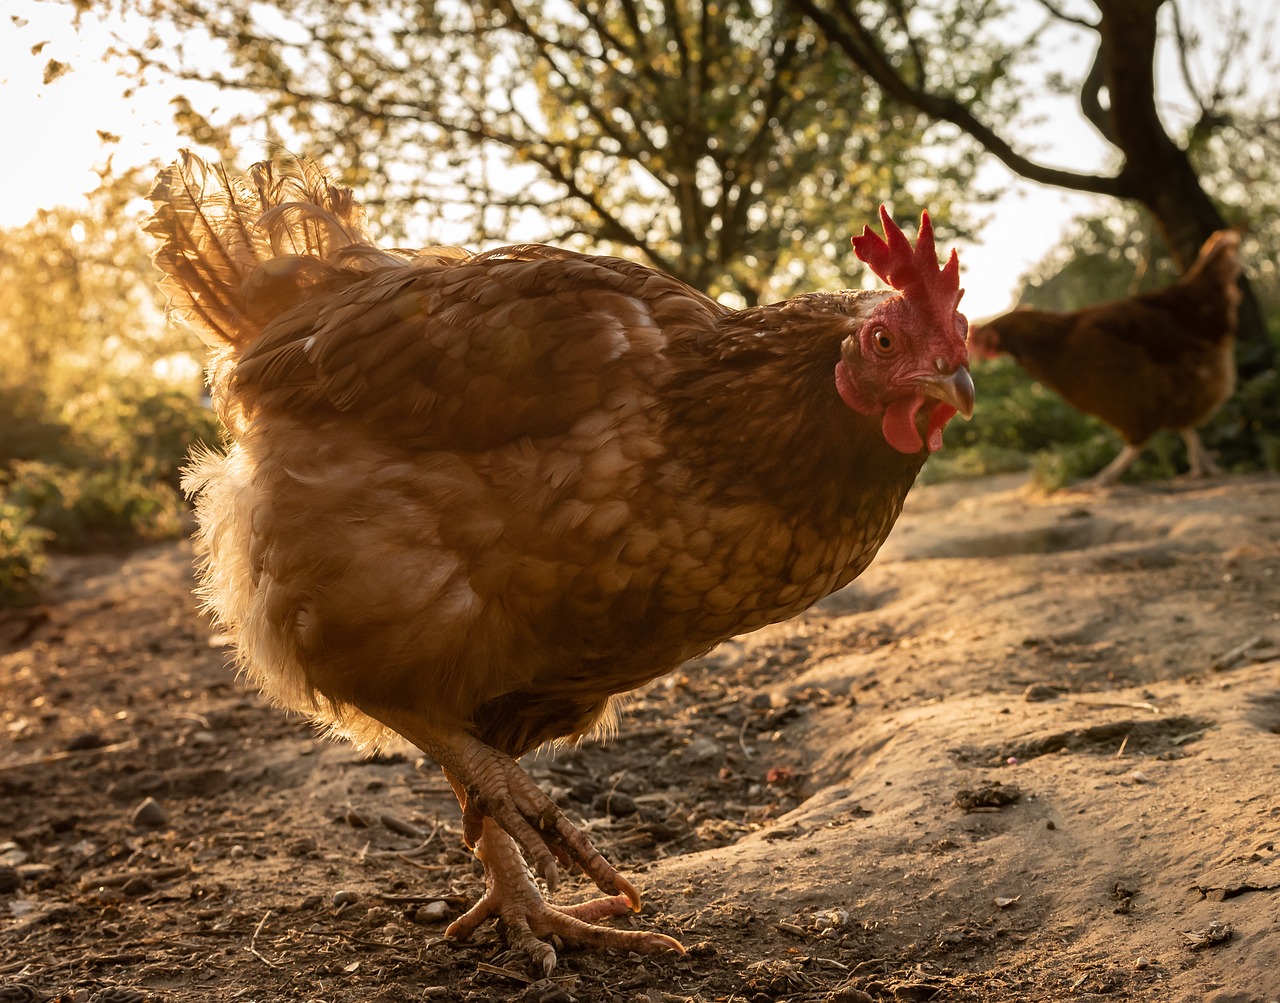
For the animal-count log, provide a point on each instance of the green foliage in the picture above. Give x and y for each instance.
(1100, 259)
(22, 559)
(91, 438)
(110, 477)
(28, 429)
(145, 431)
(1246, 432)
(94, 509)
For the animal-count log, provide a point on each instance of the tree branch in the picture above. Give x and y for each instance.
(852, 37)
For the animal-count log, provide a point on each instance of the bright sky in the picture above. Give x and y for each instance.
(54, 145)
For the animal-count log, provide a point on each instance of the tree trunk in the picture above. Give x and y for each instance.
(1157, 172)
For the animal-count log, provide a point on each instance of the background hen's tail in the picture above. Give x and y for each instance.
(236, 251)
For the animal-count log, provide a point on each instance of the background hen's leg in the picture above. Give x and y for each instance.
(511, 896)
(1198, 458)
(1109, 474)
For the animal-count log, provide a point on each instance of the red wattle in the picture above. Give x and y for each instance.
(899, 425)
(938, 418)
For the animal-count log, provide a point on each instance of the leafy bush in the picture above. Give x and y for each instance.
(143, 431)
(93, 509)
(98, 471)
(29, 430)
(22, 559)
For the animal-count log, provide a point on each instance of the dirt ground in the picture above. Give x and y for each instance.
(1032, 755)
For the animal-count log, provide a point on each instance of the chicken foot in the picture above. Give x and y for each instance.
(512, 897)
(505, 815)
(1198, 458)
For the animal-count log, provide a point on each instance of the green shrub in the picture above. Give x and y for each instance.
(92, 509)
(29, 428)
(144, 430)
(22, 558)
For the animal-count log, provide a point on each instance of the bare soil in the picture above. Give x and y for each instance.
(1033, 754)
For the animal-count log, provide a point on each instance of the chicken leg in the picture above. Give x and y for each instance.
(505, 813)
(1198, 459)
(1109, 474)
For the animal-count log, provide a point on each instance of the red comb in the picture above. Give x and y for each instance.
(912, 271)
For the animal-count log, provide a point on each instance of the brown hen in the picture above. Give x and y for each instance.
(1158, 360)
(471, 497)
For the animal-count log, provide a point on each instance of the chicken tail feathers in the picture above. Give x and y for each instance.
(236, 251)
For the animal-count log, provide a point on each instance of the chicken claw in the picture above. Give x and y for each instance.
(512, 897)
(491, 785)
(500, 790)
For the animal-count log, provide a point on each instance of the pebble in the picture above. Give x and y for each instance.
(118, 994)
(379, 915)
(1039, 692)
(345, 897)
(149, 815)
(432, 912)
(9, 880)
(701, 748)
(615, 803)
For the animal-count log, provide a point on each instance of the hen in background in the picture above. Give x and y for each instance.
(1158, 360)
(471, 497)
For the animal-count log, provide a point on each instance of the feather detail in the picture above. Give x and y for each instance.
(230, 245)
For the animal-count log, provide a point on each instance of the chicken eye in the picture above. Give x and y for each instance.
(882, 341)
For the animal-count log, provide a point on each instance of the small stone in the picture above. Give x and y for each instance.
(701, 748)
(1040, 692)
(1138, 777)
(118, 994)
(614, 803)
(1142, 963)
(379, 915)
(9, 880)
(345, 897)
(149, 815)
(137, 885)
(432, 912)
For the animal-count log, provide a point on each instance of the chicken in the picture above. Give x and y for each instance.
(1158, 360)
(469, 498)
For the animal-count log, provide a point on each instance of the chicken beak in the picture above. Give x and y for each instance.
(954, 388)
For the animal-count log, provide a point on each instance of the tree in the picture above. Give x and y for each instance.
(899, 46)
(721, 141)
(79, 305)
